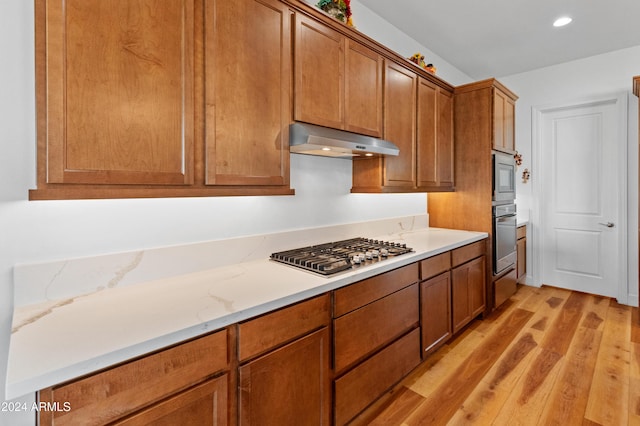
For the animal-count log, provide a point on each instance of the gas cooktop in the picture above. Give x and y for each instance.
(331, 258)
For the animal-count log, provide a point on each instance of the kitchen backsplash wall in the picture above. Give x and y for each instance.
(56, 280)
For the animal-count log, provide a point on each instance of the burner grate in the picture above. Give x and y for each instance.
(331, 258)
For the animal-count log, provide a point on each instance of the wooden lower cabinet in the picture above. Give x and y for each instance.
(376, 338)
(285, 363)
(289, 386)
(435, 312)
(467, 292)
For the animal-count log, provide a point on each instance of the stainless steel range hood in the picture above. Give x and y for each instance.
(316, 140)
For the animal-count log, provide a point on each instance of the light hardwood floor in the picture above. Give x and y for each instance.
(547, 356)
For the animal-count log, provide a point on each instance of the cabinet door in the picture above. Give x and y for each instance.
(119, 92)
(503, 122)
(203, 405)
(445, 140)
(498, 120)
(319, 73)
(477, 292)
(467, 292)
(509, 125)
(290, 385)
(435, 312)
(434, 137)
(427, 149)
(363, 90)
(248, 86)
(400, 124)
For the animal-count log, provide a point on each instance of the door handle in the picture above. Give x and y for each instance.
(608, 224)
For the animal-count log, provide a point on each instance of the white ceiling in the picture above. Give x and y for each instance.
(495, 38)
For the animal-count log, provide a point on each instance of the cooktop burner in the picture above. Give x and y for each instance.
(331, 258)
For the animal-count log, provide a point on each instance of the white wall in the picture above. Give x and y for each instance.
(371, 24)
(48, 230)
(596, 76)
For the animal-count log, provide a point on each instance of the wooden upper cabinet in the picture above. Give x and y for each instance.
(319, 73)
(503, 121)
(117, 106)
(418, 118)
(363, 90)
(248, 92)
(434, 137)
(400, 124)
(338, 81)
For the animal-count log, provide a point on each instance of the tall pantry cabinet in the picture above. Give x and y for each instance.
(483, 121)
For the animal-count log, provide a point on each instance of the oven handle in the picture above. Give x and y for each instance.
(505, 217)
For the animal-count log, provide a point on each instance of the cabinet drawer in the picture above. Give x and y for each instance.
(361, 293)
(435, 265)
(364, 384)
(468, 252)
(521, 231)
(368, 329)
(107, 396)
(505, 287)
(266, 332)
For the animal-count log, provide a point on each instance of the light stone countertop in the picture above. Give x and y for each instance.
(54, 341)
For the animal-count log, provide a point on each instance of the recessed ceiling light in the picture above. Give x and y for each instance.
(561, 22)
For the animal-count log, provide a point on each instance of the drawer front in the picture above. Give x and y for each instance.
(505, 287)
(364, 292)
(435, 265)
(361, 332)
(364, 384)
(107, 396)
(468, 252)
(271, 330)
(521, 231)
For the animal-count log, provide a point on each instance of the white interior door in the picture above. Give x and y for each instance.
(582, 149)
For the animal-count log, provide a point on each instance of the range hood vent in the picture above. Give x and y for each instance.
(316, 140)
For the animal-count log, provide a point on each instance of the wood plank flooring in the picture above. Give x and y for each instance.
(546, 357)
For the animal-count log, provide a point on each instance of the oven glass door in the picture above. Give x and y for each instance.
(506, 178)
(504, 243)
